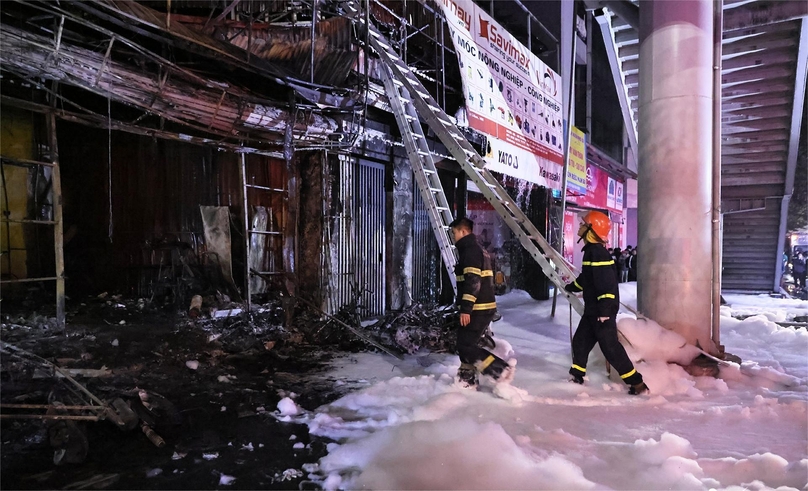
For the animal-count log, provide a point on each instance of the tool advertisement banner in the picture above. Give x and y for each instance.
(511, 96)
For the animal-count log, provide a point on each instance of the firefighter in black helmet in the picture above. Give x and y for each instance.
(601, 295)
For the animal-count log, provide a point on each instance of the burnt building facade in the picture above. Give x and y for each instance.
(245, 150)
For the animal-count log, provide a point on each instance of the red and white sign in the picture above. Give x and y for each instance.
(602, 191)
(511, 96)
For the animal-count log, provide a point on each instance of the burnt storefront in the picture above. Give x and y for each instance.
(165, 151)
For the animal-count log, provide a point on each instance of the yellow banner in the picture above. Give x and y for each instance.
(576, 173)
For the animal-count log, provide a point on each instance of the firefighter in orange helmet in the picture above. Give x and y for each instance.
(601, 295)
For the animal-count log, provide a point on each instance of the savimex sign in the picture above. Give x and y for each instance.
(463, 15)
(490, 32)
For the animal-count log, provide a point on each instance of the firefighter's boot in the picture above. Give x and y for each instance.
(467, 376)
(638, 389)
(497, 368)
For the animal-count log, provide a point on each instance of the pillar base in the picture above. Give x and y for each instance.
(702, 366)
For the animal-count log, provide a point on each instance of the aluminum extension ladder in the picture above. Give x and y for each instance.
(406, 89)
(423, 167)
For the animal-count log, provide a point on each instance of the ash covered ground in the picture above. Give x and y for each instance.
(207, 382)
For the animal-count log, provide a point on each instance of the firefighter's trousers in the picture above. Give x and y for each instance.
(468, 337)
(591, 331)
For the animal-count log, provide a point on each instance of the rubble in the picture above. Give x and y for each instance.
(244, 363)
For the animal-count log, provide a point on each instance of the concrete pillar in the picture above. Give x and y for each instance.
(675, 181)
(399, 241)
(565, 44)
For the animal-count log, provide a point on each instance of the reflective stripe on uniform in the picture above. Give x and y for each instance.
(486, 272)
(472, 270)
(598, 263)
(576, 284)
(629, 374)
(484, 306)
(469, 297)
(606, 295)
(579, 368)
(485, 363)
(460, 277)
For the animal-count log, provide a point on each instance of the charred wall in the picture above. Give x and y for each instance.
(131, 210)
(310, 230)
(400, 198)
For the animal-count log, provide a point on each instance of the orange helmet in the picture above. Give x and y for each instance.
(599, 223)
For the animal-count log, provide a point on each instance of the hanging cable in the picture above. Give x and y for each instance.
(109, 163)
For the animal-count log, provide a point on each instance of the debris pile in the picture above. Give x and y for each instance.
(91, 391)
(237, 331)
(418, 327)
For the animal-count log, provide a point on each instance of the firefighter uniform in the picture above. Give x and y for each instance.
(475, 296)
(601, 296)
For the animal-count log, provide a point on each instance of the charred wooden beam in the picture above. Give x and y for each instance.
(105, 122)
(227, 11)
(151, 24)
(31, 56)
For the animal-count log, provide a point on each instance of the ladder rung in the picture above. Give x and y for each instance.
(444, 118)
(24, 162)
(436, 190)
(26, 280)
(39, 222)
(264, 232)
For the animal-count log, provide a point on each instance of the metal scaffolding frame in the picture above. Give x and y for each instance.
(56, 222)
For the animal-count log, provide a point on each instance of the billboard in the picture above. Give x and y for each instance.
(511, 96)
(602, 191)
(576, 172)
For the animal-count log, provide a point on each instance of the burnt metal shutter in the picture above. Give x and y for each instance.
(355, 265)
(426, 261)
